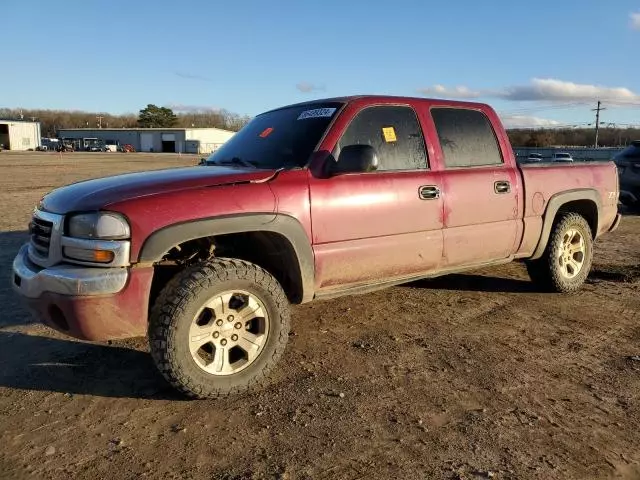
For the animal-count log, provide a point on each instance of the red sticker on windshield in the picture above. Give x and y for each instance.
(266, 132)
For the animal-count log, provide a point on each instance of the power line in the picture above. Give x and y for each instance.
(560, 106)
(576, 125)
(546, 127)
(541, 108)
(626, 106)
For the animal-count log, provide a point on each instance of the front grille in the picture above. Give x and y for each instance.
(41, 236)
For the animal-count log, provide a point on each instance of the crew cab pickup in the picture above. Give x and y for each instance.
(308, 201)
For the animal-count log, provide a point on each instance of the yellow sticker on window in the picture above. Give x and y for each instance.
(389, 134)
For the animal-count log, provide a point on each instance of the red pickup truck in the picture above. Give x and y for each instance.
(307, 201)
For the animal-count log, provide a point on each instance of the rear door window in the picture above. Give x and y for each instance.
(395, 133)
(466, 137)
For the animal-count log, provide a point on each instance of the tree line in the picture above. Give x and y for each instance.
(583, 137)
(53, 120)
(161, 117)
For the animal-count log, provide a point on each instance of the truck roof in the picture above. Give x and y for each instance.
(383, 99)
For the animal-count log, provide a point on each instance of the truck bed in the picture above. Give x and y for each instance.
(541, 181)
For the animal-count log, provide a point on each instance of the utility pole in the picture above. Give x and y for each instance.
(597, 110)
(100, 117)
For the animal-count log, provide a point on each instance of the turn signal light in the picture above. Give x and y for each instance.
(97, 256)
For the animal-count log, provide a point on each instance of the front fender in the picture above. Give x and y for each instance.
(160, 242)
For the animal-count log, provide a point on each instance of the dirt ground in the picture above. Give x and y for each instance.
(468, 376)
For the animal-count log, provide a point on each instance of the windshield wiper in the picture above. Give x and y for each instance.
(236, 161)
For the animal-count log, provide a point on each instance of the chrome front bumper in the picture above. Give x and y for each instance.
(31, 281)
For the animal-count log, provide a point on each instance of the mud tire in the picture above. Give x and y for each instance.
(546, 272)
(179, 303)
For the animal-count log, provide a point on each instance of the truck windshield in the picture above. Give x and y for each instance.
(283, 138)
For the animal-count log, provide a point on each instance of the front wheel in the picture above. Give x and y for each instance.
(566, 261)
(219, 327)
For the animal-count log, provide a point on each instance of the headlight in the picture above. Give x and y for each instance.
(98, 225)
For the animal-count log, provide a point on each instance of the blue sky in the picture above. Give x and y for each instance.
(536, 62)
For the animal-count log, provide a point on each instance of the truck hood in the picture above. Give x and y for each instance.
(95, 194)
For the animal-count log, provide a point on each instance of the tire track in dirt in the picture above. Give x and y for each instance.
(450, 378)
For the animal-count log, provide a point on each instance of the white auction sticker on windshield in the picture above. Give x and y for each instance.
(317, 113)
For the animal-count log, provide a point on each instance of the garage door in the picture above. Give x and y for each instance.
(146, 142)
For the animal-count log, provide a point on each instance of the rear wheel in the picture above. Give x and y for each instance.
(219, 328)
(566, 261)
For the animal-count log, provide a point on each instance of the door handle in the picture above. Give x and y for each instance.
(502, 186)
(428, 192)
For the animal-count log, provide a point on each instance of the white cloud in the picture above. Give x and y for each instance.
(193, 76)
(552, 90)
(635, 20)
(455, 92)
(180, 107)
(525, 121)
(542, 90)
(308, 87)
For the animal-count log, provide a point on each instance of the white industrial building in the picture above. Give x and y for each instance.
(177, 140)
(19, 135)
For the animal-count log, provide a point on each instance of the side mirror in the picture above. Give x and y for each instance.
(203, 161)
(356, 159)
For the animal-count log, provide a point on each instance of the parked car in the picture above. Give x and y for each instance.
(561, 157)
(48, 144)
(96, 148)
(628, 163)
(126, 148)
(64, 147)
(534, 158)
(308, 201)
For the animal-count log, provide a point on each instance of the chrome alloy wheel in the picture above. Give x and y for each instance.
(229, 332)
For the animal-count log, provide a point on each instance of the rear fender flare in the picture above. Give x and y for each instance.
(160, 242)
(554, 204)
